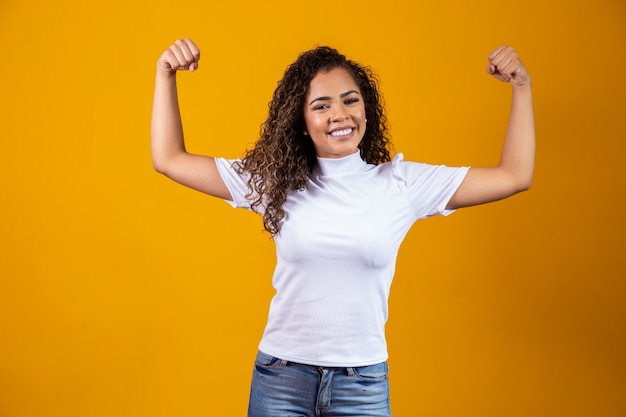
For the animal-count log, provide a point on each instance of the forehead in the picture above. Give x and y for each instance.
(337, 80)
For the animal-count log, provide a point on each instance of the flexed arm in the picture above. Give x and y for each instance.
(169, 156)
(514, 173)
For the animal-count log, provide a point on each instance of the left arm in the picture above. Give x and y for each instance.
(514, 173)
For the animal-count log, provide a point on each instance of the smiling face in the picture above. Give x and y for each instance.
(334, 114)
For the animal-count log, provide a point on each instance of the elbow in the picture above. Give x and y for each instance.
(166, 162)
(161, 162)
(519, 180)
(523, 185)
(159, 166)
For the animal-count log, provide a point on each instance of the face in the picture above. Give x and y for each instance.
(334, 114)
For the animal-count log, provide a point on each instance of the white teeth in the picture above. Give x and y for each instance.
(341, 132)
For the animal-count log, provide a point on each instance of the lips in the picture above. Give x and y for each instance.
(342, 131)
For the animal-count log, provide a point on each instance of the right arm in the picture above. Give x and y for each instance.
(169, 156)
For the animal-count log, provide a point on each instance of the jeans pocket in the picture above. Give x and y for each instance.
(263, 360)
(371, 373)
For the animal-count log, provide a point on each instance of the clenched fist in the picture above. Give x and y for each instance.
(182, 55)
(505, 65)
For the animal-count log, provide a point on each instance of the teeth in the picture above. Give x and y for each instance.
(341, 132)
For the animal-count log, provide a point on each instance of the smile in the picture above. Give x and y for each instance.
(341, 132)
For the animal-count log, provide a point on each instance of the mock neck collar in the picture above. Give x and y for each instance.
(339, 166)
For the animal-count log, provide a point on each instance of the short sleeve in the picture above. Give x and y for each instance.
(428, 188)
(236, 182)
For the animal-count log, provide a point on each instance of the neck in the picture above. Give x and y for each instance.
(339, 166)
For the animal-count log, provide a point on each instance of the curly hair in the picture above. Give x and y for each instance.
(283, 156)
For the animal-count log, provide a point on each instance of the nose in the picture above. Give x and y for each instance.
(340, 116)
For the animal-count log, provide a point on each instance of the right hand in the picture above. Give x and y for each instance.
(181, 56)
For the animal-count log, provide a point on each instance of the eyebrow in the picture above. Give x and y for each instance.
(342, 95)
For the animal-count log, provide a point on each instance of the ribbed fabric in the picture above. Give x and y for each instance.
(336, 254)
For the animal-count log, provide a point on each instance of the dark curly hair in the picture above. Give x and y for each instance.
(283, 156)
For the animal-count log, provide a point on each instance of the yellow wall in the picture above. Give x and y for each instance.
(123, 294)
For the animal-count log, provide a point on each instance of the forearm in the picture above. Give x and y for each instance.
(514, 173)
(518, 152)
(166, 131)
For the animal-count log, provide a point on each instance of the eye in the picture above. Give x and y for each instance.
(321, 107)
(352, 100)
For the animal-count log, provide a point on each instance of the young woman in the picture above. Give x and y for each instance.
(338, 208)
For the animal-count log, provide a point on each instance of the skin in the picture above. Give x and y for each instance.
(513, 173)
(169, 156)
(334, 114)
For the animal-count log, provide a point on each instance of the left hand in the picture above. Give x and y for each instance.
(505, 65)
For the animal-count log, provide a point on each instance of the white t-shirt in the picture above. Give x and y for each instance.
(336, 254)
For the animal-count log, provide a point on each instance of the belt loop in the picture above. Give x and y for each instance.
(350, 371)
(283, 362)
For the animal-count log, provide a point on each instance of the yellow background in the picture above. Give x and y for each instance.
(124, 294)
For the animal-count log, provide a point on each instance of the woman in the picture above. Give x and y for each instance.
(338, 209)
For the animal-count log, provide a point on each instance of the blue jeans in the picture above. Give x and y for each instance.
(287, 389)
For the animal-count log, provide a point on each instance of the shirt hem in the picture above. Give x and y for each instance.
(326, 363)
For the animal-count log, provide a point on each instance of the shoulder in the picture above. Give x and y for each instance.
(397, 171)
(403, 171)
(409, 173)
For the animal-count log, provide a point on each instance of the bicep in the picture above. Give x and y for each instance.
(484, 185)
(198, 172)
